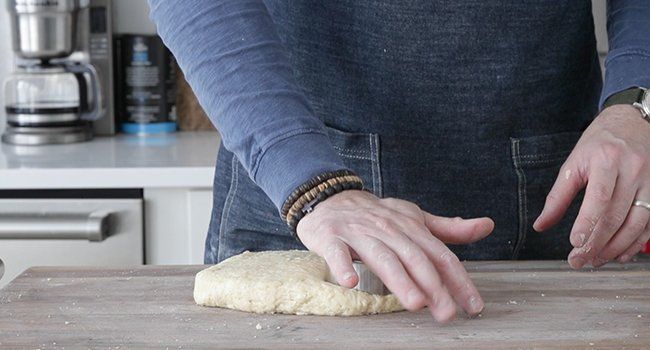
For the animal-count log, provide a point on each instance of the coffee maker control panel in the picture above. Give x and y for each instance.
(99, 46)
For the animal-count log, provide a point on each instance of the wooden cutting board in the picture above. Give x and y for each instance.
(528, 305)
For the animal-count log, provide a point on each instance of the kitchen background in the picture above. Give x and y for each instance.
(129, 17)
(156, 190)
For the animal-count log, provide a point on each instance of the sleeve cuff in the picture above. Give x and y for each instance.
(292, 161)
(624, 70)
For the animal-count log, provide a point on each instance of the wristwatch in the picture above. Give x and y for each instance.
(638, 97)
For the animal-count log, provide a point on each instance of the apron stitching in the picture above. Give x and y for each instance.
(351, 151)
(541, 161)
(354, 157)
(376, 174)
(521, 195)
(234, 180)
(540, 155)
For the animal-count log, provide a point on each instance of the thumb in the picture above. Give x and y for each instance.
(458, 230)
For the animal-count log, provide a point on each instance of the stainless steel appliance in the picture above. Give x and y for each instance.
(71, 227)
(60, 89)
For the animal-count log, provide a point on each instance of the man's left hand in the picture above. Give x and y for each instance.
(612, 160)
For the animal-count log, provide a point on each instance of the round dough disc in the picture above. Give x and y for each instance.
(288, 282)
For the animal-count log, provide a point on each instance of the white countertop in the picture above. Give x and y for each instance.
(182, 159)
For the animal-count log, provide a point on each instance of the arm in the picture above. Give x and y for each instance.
(235, 62)
(612, 159)
(628, 61)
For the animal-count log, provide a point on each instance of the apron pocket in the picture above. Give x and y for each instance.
(360, 152)
(537, 161)
(250, 221)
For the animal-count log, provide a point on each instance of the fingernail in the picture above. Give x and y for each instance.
(348, 276)
(475, 304)
(578, 262)
(624, 258)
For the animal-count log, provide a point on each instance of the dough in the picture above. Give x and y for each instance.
(288, 282)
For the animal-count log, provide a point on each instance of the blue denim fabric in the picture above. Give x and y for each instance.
(467, 108)
(467, 120)
(233, 57)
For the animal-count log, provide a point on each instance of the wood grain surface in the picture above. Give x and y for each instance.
(529, 305)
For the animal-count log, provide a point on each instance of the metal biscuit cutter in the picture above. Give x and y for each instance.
(368, 281)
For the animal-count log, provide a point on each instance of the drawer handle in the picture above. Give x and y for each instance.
(92, 226)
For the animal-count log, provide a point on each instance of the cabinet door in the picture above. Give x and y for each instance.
(199, 211)
(176, 223)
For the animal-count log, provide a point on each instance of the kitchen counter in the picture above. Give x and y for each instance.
(528, 305)
(182, 159)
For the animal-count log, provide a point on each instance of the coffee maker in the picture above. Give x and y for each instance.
(60, 90)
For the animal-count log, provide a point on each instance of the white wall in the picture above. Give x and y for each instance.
(132, 17)
(6, 58)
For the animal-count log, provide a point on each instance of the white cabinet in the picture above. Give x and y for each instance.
(176, 224)
(171, 176)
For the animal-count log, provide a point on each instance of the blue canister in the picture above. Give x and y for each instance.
(146, 85)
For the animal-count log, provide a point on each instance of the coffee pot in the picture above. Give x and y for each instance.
(50, 97)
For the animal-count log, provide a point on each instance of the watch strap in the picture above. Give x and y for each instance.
(625, 97)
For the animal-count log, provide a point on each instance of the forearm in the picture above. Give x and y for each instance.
(238, 68)
(628, 62)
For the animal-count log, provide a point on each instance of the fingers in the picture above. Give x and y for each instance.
(600, 188)
(631, 231)
(611, 216)
(567, 185)
(453, 274)
(635, 247)
(421, 269)
(408, 273)
(388, 267)
(339, 261)
(458, 230)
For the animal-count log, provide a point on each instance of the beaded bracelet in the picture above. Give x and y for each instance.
(303, 200)
(300, 190)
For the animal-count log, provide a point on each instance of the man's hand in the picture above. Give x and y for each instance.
(401, 244)
(612, 159)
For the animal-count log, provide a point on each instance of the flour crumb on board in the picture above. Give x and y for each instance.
(258, 326)
(592, 344)
(512, 302)
(543, 294)
(639, 316)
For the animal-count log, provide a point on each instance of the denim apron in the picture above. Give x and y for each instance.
(466, 108)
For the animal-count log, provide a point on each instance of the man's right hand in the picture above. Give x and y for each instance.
(400, 243)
